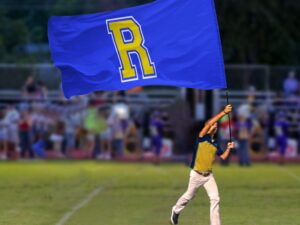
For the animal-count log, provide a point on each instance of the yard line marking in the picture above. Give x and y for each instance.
(85, 201)
(290, 173)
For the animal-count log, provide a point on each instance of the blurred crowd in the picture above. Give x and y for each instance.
(33, 130)
(81, 128)
(266, 128)
(93, 128)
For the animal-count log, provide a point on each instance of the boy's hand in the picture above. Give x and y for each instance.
(230, 145)
(227, 109)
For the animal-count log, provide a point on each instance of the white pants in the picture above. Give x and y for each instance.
(209, 183)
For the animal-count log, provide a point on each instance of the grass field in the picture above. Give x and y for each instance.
(44, 193)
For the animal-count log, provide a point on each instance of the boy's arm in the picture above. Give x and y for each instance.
(230, 146)
(215, 119)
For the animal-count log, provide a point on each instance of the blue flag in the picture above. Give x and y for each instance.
(166, 42)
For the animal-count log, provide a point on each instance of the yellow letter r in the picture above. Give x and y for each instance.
(125, 47)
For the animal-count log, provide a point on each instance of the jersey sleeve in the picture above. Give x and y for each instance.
(219, 150)
(201, 139)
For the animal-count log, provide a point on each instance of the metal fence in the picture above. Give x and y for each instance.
(262, 77)
(239, 77)
(263, 86)
(13, 76)
(266, 81)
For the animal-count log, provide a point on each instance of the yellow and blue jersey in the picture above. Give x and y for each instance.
(204, 154)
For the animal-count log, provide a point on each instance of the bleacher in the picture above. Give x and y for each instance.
(289, 106)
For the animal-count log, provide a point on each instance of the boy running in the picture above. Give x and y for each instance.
(201, 173)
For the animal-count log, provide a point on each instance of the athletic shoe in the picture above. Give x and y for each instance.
(174, 218)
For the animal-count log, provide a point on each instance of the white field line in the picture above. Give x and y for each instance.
(85, 201)
(290, 173)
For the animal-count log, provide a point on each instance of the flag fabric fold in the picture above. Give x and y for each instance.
(166, 42)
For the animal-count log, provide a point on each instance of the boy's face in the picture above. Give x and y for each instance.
(213, 129)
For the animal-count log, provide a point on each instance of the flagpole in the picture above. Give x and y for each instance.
(229, 117)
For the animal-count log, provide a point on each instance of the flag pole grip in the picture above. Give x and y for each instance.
(229, 117)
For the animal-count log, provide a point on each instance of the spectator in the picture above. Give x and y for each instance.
(12, 117)
(90, 124)
(3, 136)
(39, 147)
(131, 140)
(57, 137)
(118, 122)
(30, 88)
(25, 135)
(290, 85)
(81, 138)
(168, 136)
(70, 129)
(96, 124)
(264, 114)
(38, 122)
(257, 137)
(105, 137)
(156, 135)
(281, 135)
(244, 127)
(118, 127)
(42, 90)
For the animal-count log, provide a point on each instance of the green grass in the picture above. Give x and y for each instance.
(40, 193)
